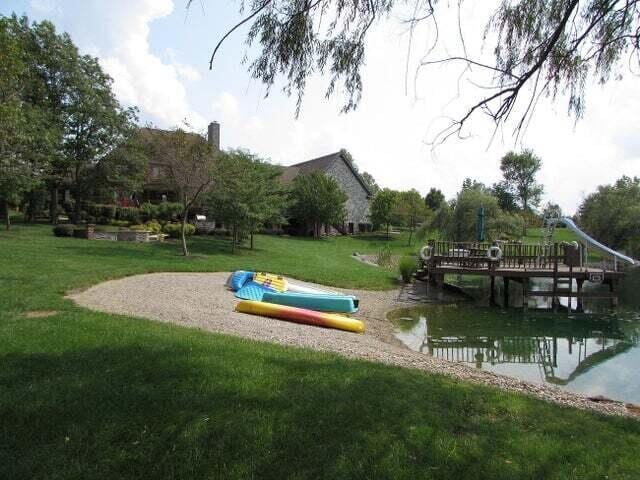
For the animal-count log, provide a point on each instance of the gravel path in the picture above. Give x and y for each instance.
(201, 300)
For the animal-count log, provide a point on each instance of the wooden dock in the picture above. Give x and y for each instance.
(563, 262)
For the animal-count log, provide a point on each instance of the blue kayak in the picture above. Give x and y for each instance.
(320, 303)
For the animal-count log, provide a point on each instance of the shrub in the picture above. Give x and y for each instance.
(130, 214)
(119, 223)
(384, 256)
(168, 211)
(65, 230)
(152, 226)
(173, 229)
(149, 211)
(407, 266)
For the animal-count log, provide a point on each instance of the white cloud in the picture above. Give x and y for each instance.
(118, 33)
(386, 134)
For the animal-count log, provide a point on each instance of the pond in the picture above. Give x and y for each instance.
(595, 353)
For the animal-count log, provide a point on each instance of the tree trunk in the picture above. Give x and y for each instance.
(388, 235)
(410, 235)
(76, 208)
(251, 240)
(234, 236)
(183, 237)
(5, 213)
(53, 205)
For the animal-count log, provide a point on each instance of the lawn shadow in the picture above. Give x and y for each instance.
(165, 409)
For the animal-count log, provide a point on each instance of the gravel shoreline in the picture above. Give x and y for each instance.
(201, 300)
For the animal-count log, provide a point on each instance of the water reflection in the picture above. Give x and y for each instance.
(592, 354)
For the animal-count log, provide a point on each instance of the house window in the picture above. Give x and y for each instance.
(350, 228)
(155, 172)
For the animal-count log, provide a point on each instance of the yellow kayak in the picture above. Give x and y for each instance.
(301, 315)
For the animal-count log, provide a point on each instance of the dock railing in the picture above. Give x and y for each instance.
(514, 255)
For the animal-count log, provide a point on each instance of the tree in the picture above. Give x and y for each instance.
(189, 161)
(506, 199)
(462, 226)
(23, 127)
(247, 193)
(434, 198)
(95, 126)
(53, 74)
(611, 214)
(371, 182)
(552, 210)
(410, 208)
(383, 208)
(519, 171)
(317, 199)
(540, 47)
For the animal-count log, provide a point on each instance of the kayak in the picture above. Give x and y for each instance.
(300, 315)
(320, 302)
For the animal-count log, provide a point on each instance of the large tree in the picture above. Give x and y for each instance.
(539, 47)
(519, 171)
(611, 214)
(53, 61)
(383, 208)
(24, 128)
(434, 198)
(247, 194)
(411, 210)
(95, 127)
(189, 162)
(316, 199)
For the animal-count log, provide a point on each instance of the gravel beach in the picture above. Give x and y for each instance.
(201, 300)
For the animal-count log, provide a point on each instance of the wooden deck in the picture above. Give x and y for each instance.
(564, 263)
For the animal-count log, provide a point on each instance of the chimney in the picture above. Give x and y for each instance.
(213, 135)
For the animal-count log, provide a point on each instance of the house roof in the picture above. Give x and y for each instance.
(321, 164)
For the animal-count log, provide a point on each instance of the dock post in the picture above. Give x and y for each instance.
(554, 300)
(525, 293)
(579, 304)
(505, 293)
(614, 296)
(492, 294)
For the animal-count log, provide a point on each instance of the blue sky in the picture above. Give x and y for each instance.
(158, 53)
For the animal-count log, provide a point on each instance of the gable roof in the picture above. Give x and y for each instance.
(321, 164)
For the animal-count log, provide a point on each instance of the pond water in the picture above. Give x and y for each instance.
(594, 353)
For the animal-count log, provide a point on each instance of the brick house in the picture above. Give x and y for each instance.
(338, 167)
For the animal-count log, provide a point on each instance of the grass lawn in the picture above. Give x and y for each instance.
(91, 395)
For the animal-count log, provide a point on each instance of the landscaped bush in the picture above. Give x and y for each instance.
(384, 256)
(174, 229)
(169, 211)
(119, 223)
(149, 211)
(407, 266)
(152, 226)
(65, 230)
(130, 214)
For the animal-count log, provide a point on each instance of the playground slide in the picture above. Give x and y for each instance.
(593, 242)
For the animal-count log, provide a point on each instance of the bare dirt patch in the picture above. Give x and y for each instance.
(40, 313)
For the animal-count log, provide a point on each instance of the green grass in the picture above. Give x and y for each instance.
(91, 395)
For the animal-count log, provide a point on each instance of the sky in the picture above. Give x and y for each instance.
(157, 53)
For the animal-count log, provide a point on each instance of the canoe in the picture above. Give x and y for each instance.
(300, 315)
(322, 303)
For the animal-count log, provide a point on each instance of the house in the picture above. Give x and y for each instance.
(156, 187)
(338, 167)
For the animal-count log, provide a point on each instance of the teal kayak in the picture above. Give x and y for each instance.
(320, 303)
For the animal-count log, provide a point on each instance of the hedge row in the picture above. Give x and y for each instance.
(104, 213)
